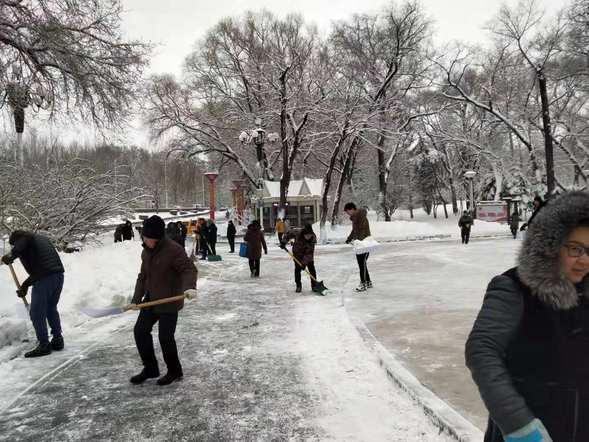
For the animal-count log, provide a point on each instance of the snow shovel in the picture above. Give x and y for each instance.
(212, 257)
(319, 286)
(15, 278)
(110, 311)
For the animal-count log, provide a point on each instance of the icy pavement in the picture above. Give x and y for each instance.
(260, 363)
(425, 298)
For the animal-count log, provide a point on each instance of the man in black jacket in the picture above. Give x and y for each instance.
(231, 231)
(41, 261)
(212, 236)
(127, 231)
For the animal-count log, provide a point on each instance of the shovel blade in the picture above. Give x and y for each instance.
(101, 312)
(215, 258)
(320, 288)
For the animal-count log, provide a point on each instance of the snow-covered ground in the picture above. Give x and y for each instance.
(442, 280)
(260, 363)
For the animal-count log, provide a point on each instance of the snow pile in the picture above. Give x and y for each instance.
(404, 227)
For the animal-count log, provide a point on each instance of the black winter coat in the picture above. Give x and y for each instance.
(302, 249)
(465, 222)
(37, 255)
(127, 231)
(529, 361)
(212, 233)
(231, 230)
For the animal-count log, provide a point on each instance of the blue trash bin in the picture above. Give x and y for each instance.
(243, 250)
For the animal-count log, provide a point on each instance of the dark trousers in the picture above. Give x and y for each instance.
(44, 300)
(465, 234)
(231, 240)
(312, 271)
(514, 233)
(167, 327)
(213, 247)
(363, 267)
(280, 235)
(255, 266)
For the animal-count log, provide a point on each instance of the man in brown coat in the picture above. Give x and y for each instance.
(360, 231)
(166, 271)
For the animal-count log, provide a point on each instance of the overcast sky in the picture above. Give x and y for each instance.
(176, 25)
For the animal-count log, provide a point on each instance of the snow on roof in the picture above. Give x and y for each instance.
(315, 186)
(306, 186)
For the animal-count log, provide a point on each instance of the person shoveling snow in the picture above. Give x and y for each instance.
(165, 271)
(303, 253)
(360, 231)
(41, 261)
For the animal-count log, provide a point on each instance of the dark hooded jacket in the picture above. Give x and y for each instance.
(212, 233)
(360, 226)
(166, 271)
(173, 232)
(127, 231)
(37, 255)
(254, 237)
(528, 349)
(465, 221)
(303, 249)
(231, 230)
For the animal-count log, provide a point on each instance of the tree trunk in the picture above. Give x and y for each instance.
(285, 179)
(547, 132)
(346, 174)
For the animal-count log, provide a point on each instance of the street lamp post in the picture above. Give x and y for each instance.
(21, 93)
(258, 137)
(212, 176)
(469, 175)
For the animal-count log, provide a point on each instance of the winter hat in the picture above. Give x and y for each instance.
(154, 227)
(539, 258)
(308, 228)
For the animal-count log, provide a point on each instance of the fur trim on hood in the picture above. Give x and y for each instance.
(538, 261)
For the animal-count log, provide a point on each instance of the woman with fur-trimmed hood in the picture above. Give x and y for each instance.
(528, 350)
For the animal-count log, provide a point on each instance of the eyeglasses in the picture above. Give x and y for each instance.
(576, 250)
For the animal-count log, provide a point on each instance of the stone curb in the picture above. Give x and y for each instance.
(439, 412)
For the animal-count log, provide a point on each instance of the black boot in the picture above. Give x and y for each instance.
(41, 350)
(299, 288)
(143, 376)
(169, 378)
(57, 343)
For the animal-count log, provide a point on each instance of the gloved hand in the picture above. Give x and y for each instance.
(348, 241)
(523, 227)
(22, 292)
(7, 259)
(283, 245)
(190, 293)
(533, 432)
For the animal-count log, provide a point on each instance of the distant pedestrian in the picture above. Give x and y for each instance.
(360, 231)
(514, 224)
(173, 232)
(465, 223)
(527, 350)
(231, 231)
(212, 236)
(119, 233)
(127, 231)
(303, 250)
(537, 204)
(203, 233)
(183, 232)
(41, 261)
(165, 271)
(279, 227)
(254, 237)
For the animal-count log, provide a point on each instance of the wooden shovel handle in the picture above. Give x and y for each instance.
(159, 301)
(18, 286)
